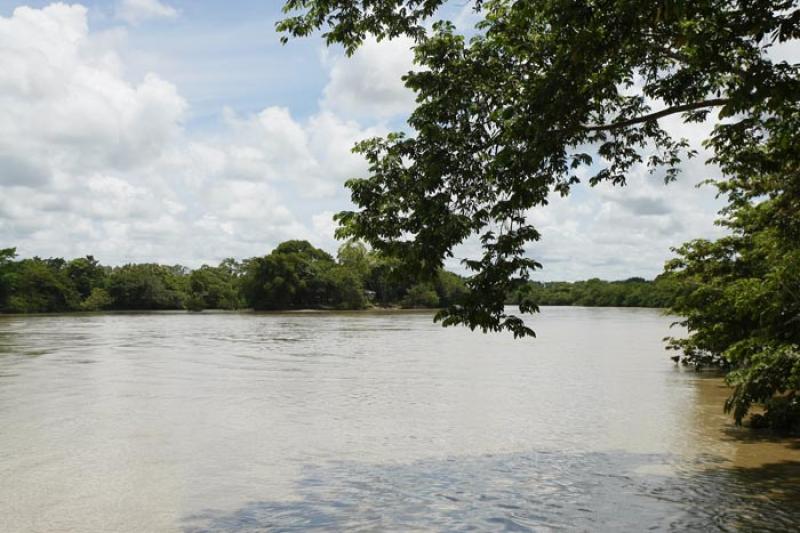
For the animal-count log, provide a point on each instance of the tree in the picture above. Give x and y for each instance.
(290, 277)
(450, 288)
(212, 288)
(86, 273)
(741, 295)
(421, 295)
(546, 91)
(632, 292)
(97, 300)
(145, 287)
(41, 286)
(386, 281)
(344, 288)
(7, 256)
(356, 257)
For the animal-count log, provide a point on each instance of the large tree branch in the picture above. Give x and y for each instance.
(658, 114)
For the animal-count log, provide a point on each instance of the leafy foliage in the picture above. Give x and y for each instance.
(214, 288)
(41, 285)
(421, 295)
(550, 90)
(351, 21)
(295, 275)
(7, 256)
(146, 286)
(288, 278)
(547, 91)
(742, 303)
(98, 300)
(86, 273)
(633, 292)
(344, 288)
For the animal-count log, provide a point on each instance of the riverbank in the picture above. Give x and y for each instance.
(310, 311)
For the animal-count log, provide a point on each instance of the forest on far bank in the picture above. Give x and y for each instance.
(632, 292)
(295, 275)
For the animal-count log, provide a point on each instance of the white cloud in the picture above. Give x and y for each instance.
(315, 155)
(137, 11)
(787, 51)
(325, 227)
(67, 108)
(93, 163)
(369, 83)
(619, 232)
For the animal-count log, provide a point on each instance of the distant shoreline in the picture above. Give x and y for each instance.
(373, 310)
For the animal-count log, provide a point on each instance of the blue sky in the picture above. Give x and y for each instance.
(147, 130)
(216, 55)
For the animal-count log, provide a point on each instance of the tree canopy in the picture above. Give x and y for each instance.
(632, 292)
(742, 298)
(295, 275)
(549, 92)
(545, 92)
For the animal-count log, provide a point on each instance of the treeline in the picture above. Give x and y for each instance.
(632, 292)
(295, 275)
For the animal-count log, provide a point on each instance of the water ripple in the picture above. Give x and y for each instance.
(513, 492)
(371, 421)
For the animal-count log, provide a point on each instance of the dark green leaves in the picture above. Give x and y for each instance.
(742, 306)
(349, 22)
(546, 91)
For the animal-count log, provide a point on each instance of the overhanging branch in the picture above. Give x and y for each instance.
(658, 114)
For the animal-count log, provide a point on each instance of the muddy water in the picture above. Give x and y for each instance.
(372, 421)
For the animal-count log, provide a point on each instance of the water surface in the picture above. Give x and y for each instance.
(371, 421)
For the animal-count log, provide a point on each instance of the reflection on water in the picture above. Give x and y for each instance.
(218, 422)
(518, 492)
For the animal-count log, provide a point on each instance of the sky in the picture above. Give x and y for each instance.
(184, 132)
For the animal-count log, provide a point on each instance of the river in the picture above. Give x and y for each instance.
(372, 421)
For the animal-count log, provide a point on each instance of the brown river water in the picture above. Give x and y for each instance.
(373, 421)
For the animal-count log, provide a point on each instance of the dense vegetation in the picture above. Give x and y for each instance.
(632, 292)
(544, 94)
(548, 91)
(293, 276)
(742, 298)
